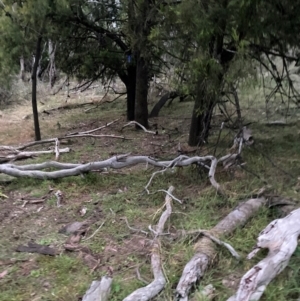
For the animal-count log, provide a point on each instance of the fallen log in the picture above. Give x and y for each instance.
(204, 248)
(281, 238)
(116, 162)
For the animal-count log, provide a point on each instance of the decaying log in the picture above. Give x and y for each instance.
(99, 290)
(281, 238)
(156, 286)
(204, 248)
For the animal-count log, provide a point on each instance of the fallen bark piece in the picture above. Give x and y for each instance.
(36, 248)
(281, 238)
(99, 290)
(157, 285)
(204, 248)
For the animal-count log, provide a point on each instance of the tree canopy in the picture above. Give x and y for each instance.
(200, 43)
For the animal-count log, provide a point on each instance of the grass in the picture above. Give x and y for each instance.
(112, 196)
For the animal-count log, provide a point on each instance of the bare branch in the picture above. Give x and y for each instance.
(94, 130)
(156, 286)
(57, 149)
(141, 126)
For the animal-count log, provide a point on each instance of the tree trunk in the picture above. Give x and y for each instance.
(200, 123)
(206, 98)
(130, 87)
(156, 109)
(22, 68)
(34, 84)
(141, 92)
(129, 80)
(52, 68)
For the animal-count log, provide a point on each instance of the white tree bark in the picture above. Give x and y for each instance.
(99, 290)
(281, 238)
(116, 162)
(204, 249)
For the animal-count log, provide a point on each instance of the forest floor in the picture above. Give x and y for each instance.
(116, 197)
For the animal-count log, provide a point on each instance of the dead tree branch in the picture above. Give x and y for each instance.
(99, 290)
(94, 130)
(156, 286)
(281, 238)
(8, 153)
(141, 126)
(204, 248)
(116, 162)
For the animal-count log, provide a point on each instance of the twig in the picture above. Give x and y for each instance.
(141, 126)
(134, 229)
(218, 140)
(214, 239)
(138, 276)
(170, 195)
(94, 130)
(97, 136)
(102, 102)
(152, 176)
(95, 232)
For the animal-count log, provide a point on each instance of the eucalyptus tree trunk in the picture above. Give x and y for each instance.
(34, 84)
